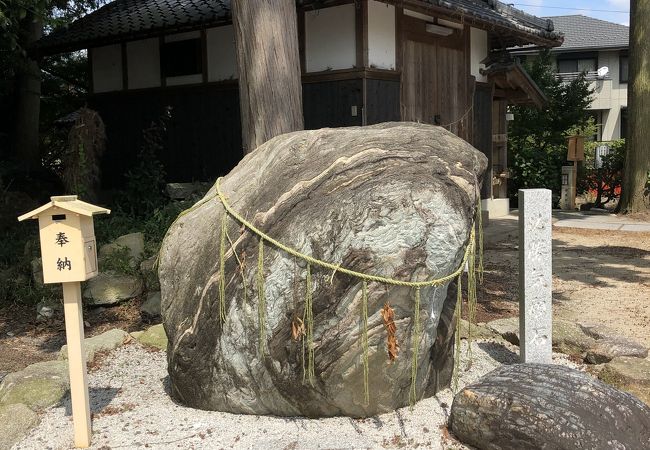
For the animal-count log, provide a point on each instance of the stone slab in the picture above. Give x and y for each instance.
(535, 275)
(604, 350)
(154, 337)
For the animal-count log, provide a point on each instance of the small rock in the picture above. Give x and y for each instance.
(110, 288)
(151, 307)
(604, 350)
(598, 331)
(568, 337)
(630, 370)
(149, 271)
(185, 191)
(478, 331)
(15, 422)
(37, 271)
(38, 386)
(136, 334)
(48, 308)
(154, 337)
(133, 241)
(106, 341)
(507, 328)
(548, 406)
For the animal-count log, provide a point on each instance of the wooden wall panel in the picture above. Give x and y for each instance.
(382, 101)
(436, 82)
(203, 138)
(329, 103)
(482, 135)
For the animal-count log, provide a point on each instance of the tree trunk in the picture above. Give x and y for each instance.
(28, 98)
(637, 160)
(270, 89)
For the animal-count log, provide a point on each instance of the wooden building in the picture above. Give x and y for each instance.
(363, 62)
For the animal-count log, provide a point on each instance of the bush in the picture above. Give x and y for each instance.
(604, 183)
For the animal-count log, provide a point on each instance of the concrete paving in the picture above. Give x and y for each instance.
(598, 221)
(578, 219)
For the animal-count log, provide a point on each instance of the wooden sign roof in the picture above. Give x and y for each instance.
(68, 203)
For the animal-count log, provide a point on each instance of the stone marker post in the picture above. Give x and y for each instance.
(535, 276)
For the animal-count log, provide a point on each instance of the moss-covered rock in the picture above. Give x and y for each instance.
(106, 341)
(15, 422)
(38, 386)
(478, 331)
(154, 337)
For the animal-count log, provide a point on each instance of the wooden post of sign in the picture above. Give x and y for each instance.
(74, 329)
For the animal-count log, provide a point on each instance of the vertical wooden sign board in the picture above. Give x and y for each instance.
(69, 254)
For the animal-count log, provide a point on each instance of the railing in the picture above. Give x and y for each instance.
(591, 75)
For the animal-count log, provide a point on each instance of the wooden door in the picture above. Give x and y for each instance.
(435, 83)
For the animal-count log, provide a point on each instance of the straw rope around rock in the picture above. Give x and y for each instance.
(468, 261)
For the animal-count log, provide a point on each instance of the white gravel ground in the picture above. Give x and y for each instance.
(132, 410)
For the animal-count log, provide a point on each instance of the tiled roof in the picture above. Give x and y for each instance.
(582, 32)
(123, 20)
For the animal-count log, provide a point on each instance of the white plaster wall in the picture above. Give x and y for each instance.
(381, 35)
(610, 96)
(222, 54)
(478, 52)
(107, 68)
(143, 63)
(330, 38)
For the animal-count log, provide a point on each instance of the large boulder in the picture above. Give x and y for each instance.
(396, 200)
(532, 406)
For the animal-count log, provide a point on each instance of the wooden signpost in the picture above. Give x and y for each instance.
(69, 254)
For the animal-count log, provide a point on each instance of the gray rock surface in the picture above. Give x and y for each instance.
(134, 242)
(104, 342)
(38, 386)
(532, 406)
(15, 422)
(394, 199)
(604, 350)
(151, 306)
(111, 288)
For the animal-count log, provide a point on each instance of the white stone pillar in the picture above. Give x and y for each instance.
(535, 276)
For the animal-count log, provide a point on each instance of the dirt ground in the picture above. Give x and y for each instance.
(24, 340)
(598, 277)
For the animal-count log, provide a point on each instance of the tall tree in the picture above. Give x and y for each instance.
(21, 24)
(634, 197)
(270, 89)
(28, 94)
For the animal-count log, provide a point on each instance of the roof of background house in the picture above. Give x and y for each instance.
(582, 32)
(123, 20)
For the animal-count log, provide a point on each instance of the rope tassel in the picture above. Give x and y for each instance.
(416, 347)
(308, 318)
(364, 340)
(222, 270)
(261, 297)
(457, 313)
